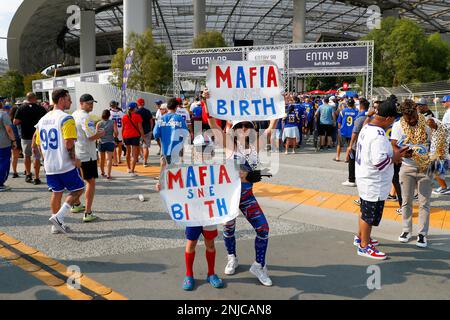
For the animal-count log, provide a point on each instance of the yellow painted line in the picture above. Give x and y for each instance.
(349, 206)
(335, 201)
(318, 199)
(446, 224)
(51, 272)
(439, 217)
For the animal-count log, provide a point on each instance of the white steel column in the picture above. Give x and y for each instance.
(199, 17)
(88, 53)
(299, 21)
(137, 17)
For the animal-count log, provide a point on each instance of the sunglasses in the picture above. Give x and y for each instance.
(244, 125)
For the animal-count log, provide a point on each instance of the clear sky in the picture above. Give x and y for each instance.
(8, 8)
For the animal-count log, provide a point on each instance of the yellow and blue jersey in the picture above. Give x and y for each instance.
(347, 119)
(51, 131)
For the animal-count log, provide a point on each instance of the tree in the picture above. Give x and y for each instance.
(28, 80)
(209, 39)
(11, 85)
(403, 53)
(151, 70)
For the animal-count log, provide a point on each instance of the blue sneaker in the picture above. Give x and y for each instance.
(188, 283)
(215, 281)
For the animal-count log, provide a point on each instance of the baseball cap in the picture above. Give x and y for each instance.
(113, 103)
(87, 98)
(132, 105)
(446, 98)
(179, 100)
(140, 102)
(388, 108)
(422, 102)
(202, 141)
(158, 102)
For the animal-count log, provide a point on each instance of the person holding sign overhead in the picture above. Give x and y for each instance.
(247, 155)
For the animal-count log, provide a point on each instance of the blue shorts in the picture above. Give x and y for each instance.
(70, 181)
(372, 212)
(193, 233)
(107, 147)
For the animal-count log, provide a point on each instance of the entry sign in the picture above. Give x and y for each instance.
(245, 90)
(201, 195)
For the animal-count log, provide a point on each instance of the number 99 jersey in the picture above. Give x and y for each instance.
(51, 131)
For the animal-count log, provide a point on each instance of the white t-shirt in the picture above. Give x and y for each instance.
(185, 114)
(374, 167)
(51, 131)
(446, 118)
(397, 133)
(85, 149)
(117, 117)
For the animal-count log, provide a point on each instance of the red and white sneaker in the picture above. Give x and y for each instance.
(357, 241)
(371, 252)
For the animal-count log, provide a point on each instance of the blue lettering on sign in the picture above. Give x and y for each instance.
(222, 207)
(177, 212)
(211, 191)
(256, 103)
(243, 105)
(240, 81)
(221, 110)
(190, 179)
(270, 105)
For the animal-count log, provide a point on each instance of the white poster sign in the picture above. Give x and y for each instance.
(245, 90)
(276, 56)
(201, 195)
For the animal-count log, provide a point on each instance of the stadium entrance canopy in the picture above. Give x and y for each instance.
(301, 60)
(39, 36)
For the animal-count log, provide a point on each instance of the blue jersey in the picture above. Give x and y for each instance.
(309, 111)
(346, 119)
(300, 110)
(170, 129)
(292, 120)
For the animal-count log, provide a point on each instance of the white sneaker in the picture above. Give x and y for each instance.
(55, 230)
(349, 184)
(404, 237)
(421, 241)
(437, 191)
(133, 174)
(231, 265)
(59, 225)
(261, 273)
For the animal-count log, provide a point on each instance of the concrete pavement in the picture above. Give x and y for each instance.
(136, 249)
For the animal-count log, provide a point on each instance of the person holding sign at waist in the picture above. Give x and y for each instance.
(246, 154)
(173, 125)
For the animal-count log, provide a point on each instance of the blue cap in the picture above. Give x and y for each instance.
(158, 102)
(132, 105)
(446, 98)
(7, 106)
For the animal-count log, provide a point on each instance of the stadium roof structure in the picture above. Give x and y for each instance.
(40, 37)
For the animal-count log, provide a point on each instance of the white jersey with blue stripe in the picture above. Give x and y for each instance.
(374, 164)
